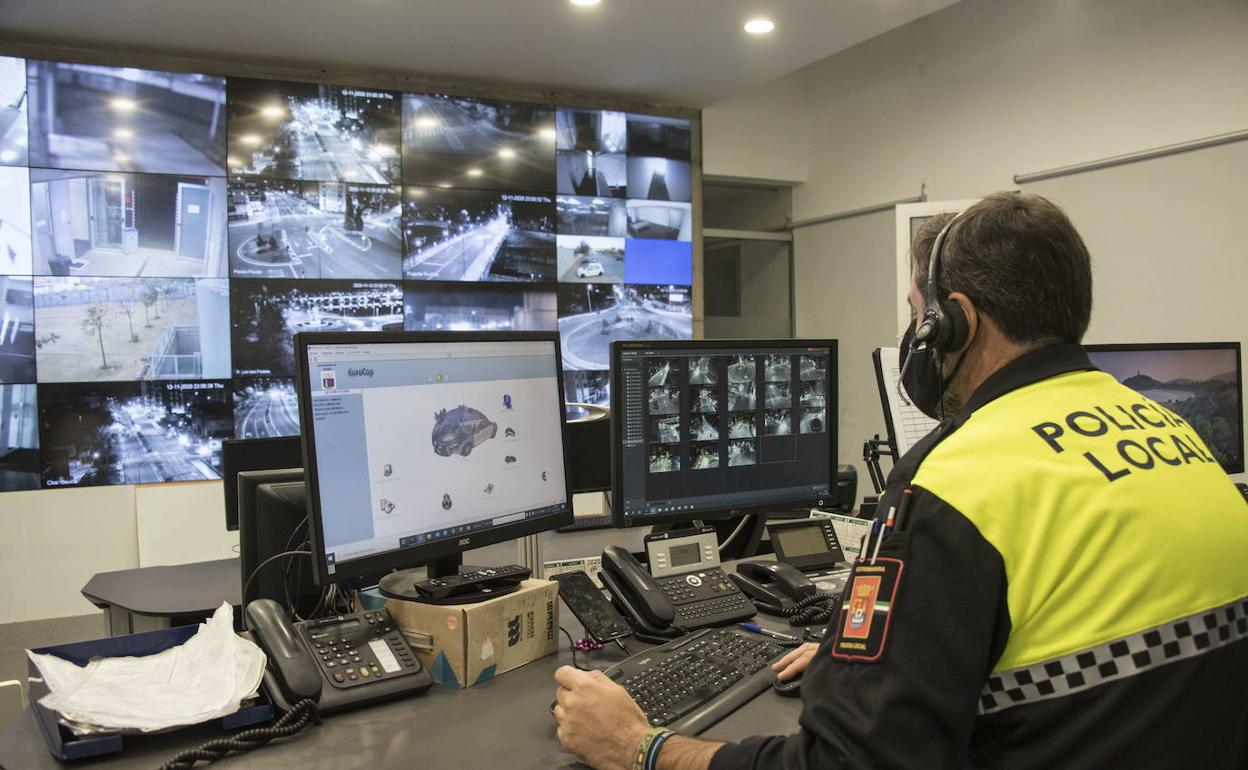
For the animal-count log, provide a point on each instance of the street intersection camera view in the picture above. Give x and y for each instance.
(164, 234)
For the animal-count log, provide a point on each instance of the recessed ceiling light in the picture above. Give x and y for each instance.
(547, 133)
(759, 26)
(506, 153)
(427, 122)
(123, 133)
(474, 172)
(273, 111)
(122, 104)
(586, 2)
(252, 140)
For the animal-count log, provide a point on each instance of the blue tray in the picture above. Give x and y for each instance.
(65, 745)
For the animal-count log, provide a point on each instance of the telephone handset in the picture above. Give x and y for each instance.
(635, 594)
(342, 660)
(773, 582)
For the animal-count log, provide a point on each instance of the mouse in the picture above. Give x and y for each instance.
(789, 688)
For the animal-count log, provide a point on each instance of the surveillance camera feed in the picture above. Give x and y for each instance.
(163, 235)
(450, 141)
(463, 307)
(291, 229)
(314, 131)
(133, 433)
(469, 235)
(700, 453)
(15, 221)
(83, 116)
(13, 111)
(95, 223)
(592, 316)
(131, 329)
(1202, 384)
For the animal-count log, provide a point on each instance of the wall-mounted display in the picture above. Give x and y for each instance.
(476, 235)
(291, 229)
(164, 234)
(83, 116)
(314, 131)
(450, 141)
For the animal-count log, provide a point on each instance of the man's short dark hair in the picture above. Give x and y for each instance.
(1021, 262)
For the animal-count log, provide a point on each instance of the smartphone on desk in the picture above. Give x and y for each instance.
(601, 621)
(340, 661)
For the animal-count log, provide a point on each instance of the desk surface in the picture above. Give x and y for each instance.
(184, 589)
(504, 722)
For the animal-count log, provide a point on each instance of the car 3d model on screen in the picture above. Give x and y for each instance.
(457, 431)
(446, 502)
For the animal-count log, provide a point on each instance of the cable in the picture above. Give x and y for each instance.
(302, 714)
(573, 647)
(261, 566)
(733, 535)
(818, 608)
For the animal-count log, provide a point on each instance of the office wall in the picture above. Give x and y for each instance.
(967, 97)
(760, 133)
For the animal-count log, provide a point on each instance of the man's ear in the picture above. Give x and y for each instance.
(970, 313)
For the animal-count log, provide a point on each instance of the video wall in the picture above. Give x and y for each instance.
(163, 235)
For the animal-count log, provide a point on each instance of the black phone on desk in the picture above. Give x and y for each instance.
(601, 621)
(340, 661)
(684, 586)
(773, 582)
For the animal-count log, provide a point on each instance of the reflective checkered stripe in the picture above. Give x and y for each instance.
(1181, 639)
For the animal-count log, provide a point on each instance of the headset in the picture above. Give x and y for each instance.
(944, 326)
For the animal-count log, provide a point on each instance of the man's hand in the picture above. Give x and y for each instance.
(795, 662)
(598, 720)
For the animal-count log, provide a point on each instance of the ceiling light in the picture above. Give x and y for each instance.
(250, 139)
(122, 104)
(427, 122)
(759, 26)
(121, 158)
(232, 161)
(123, 133)
(547, 133)
(586, 2)
(474, 172)
(273, 111)
(444, 185)
(415, 192)
(506, 153)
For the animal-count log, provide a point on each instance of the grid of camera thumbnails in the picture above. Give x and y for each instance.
(164, 235)
(710, 412)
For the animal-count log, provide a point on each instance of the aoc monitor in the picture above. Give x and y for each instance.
(419, 446)
(712, 429)
(1202, 382)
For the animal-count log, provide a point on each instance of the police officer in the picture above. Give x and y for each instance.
(1064, 585)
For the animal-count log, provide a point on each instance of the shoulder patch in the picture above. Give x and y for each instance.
(867, 609)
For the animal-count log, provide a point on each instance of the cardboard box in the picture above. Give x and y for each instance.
(470, 643)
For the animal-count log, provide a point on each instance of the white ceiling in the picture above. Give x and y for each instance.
(688, 53)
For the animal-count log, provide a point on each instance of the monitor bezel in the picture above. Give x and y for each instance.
(1135, 347)
(230, 462)
(403, 558)
(618, 347)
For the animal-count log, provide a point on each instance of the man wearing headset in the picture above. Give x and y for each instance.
(1063, 584)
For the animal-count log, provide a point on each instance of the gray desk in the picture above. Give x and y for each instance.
(504, 722)
(144, 599)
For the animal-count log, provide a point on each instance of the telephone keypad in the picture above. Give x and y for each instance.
(705, 598)
(356, 649)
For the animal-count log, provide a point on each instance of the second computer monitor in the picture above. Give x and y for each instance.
(715, 428)
(419, 446)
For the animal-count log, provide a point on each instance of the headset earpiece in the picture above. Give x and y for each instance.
(944, 322)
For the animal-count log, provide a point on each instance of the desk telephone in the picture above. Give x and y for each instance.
(685, 588)
(341, 661)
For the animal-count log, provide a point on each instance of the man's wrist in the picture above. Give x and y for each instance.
(679, 752)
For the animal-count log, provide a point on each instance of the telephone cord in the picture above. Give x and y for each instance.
(300, 716)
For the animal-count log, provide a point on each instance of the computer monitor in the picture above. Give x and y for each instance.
(421, 445)
(1202, 382)
(717, 428)
(272, 519)
(253, 454)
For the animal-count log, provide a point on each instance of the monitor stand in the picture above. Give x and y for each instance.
(446, 581)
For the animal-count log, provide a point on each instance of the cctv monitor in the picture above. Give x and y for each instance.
(589, 448)
(271, 514)
(712, 429)
(253, 454)
(1202, 382)
(419, 446)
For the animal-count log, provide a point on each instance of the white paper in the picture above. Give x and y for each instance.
(909, 423)
(849, 531)
(206, 677)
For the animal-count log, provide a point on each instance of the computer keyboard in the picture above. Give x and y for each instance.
(693, 682)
